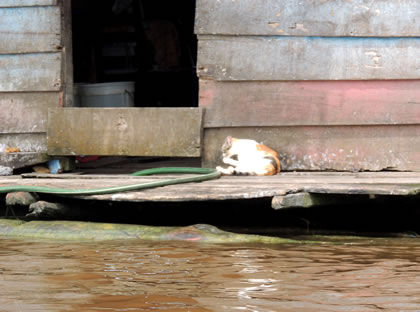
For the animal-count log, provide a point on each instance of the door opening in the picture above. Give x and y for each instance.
(149, 42)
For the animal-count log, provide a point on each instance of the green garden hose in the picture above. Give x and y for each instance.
(204, 174)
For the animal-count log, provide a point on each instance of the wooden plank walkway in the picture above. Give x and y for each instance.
(238, 187)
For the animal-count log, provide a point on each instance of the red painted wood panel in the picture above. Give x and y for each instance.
(279, 103)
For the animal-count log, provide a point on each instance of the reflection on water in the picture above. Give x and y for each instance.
(179, 276)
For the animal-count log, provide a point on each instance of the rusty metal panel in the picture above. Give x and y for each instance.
(379, 18)
(308, 58)
(26, 112)
(287, 103)
(30, 72)
(340, 148)
(30, 29)
(23, 3)
(125, 131)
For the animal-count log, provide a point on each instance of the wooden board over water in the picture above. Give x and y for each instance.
(231, 188)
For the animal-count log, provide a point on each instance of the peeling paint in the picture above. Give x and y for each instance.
(299, 26)
(375, 59)
(273, 24)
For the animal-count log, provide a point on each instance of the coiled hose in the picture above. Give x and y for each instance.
(204, 174)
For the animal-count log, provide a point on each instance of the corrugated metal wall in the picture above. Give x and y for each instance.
(331, 85)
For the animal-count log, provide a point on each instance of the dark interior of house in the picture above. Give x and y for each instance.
(150, 42)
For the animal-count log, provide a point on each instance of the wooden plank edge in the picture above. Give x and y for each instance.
(21, 160)
(309, 200)
(309, 103)
(27, 3)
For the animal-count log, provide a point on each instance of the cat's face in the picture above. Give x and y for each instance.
(227, 145)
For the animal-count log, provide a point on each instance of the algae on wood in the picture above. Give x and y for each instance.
(72, 230)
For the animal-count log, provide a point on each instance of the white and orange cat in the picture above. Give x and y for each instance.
(248, 157)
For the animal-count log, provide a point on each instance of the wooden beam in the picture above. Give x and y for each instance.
(306, 103)
(125, 131)
(67, 44)
(343, 148)
(41, 34)
(307, 58)
(26, 112)
(30, 72)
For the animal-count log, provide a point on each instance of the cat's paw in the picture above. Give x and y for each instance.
(230, 161)
(225, 171)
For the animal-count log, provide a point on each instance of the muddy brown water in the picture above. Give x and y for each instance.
(350, 275)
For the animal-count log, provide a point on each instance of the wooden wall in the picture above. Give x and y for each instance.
(32, 69)
(331, 85)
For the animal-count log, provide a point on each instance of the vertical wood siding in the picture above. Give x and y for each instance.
(331, 85)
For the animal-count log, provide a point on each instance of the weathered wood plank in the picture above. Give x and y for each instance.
(280, 103)
(67, 43)
(304, 200)
(23, 3)
(21, 160)
(26, 112)
(127, 131)
(34, 142)
(249, 182)
(41, 34)
(30, 72)
(234, 187)
(379, 18)
(355, 148)
(308, 58)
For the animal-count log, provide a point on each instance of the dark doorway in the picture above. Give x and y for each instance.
(150, 42)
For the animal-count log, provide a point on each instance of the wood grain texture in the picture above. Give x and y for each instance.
(41, 34)
(342, 148)
(26, 112)
(67, 44)
(379, 18)
(30, 72)
(24, 3)
(125, 131)
(280, 103)
(307, 58)
(21, 160)
(227, 188)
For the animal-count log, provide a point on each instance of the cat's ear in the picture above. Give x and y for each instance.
(229, 140)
